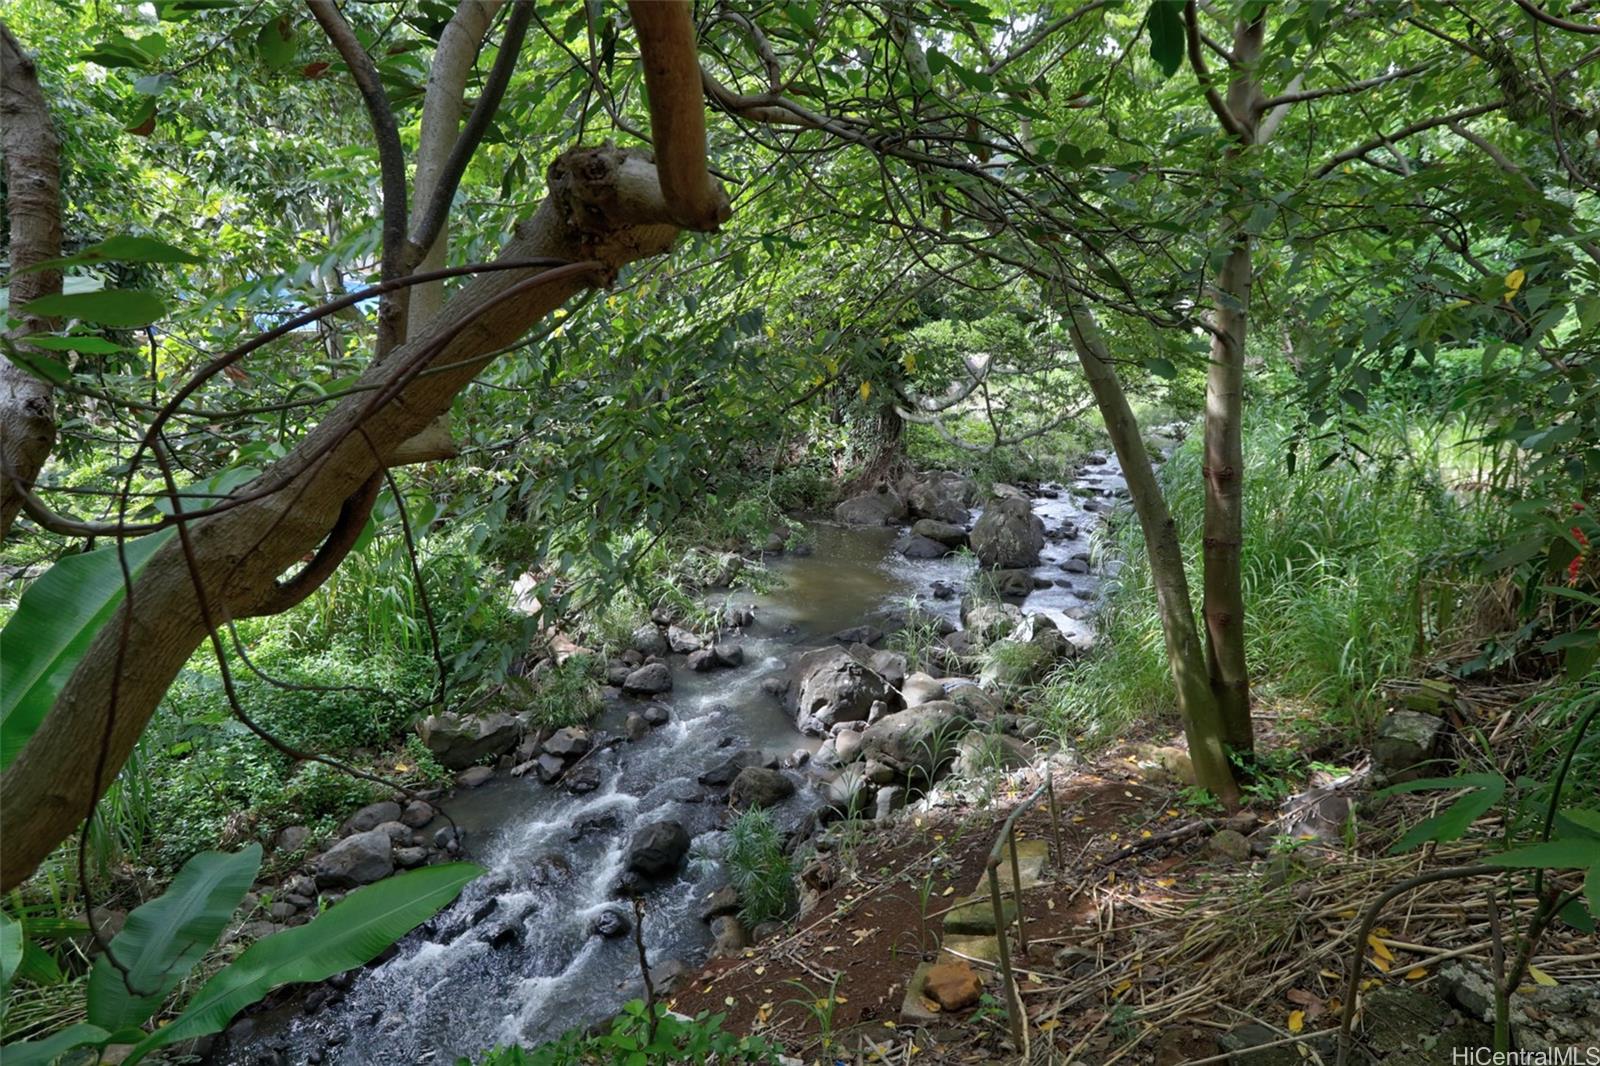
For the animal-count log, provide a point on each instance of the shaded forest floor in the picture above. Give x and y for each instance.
(1158, 932)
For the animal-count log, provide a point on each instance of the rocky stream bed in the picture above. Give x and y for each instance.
(801, 703)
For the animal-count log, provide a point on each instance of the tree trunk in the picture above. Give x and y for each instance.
(1222, 467)
(1203, 725)
(1223, 470)
(605, 209)
(33, 192)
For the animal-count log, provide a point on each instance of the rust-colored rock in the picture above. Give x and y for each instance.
(953, 985)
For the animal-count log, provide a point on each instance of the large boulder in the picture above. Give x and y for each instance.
(568, 742)
(1009, 535)
(649, 640)
(940, 495)
(947, 533)
(1406, 744)
(462, 742)
(658, 849)
(651, 679)
(921, 740)
(370, 817)
(836, 687)
(988, 621)
(920, 547)
(880, 507)
(756, 786)
(359, 859)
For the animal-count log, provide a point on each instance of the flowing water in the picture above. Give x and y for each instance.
(552, 857)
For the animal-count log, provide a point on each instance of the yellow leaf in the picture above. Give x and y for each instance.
(1122, 986)
(1416, 973)
(908, 361)
(948, 891)
(1382, 964)
(1514, 281)
(1053, 1023)
(1146, 834)
(1297, 1020)
(1379, 948)
(1166, 882)
(866, 389)
(1540, 977)
(760, 970)
(727, 1001)
(890, 1025)
(1347, 914)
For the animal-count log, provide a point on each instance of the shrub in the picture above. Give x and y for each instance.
(758, 868)
(568, 694)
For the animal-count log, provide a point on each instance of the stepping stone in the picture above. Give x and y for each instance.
(982, 948)
(1032, 857)
(974, 916)
(916, 1008)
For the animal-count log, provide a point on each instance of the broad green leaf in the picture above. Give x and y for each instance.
(47, 1051)
(118, 308)
(1455, 820)
(1579, 822)
(1591, 889)
(1161, 368)
(40, 366)
(275, 43)
(1578, 638)
(164, 939)
(1576, 854)
(1576, 914)
(346, 935)
(54, 622)
(86, 343)
(1167, 35)
(122, 249)
(10, 949)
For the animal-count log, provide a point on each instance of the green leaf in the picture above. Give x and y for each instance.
(119, 308)
(1576, 854)
(1591, 889)
(1577, 915)
(85, 343)
(1455, 820)
(1578, 638)
(1166, 35)
(46, 1051)
(40, 366)
(54, 622)
(10, 949)
(275, 43)
(1579, 822)
(346, 935)
(164, 939)
(1161, 368)
(122, 249)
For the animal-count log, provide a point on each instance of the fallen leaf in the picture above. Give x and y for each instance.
(1053, 1023)
(1379, 948)
(1416, 973)
(1297, 1021)
(1122, 986)
(1540, 977)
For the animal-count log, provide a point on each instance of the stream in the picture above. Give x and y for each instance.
(514, 959)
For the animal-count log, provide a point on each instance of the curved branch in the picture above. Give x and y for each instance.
(1541, 15)
(391, 161)
(677, 113)
(1230, 122)
(1405, 131)
(342, 538)
(33, 188)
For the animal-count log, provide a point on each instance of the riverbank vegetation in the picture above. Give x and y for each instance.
(395, 398)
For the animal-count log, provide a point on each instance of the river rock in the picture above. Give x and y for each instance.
(658, 849)
(650, 679)
(462, 742)
(920, 688)
(581, 780)
(724, 900)
(635, 726)
(417, 814)
(701, 661)
(862, 634)
(947, 533)
(725, 772)
(657, 714)
(474, 777)
(1009, 584)
(880, 507)
(756, 786)
(649, 640)
(836, 687)
(550, 767)
(568, 742)
(1009, 535)
(890, 799)
(358, 859)
(953, 986)
(292, 838)
(610, 924)
(916, 742)
(370, 817)
(682, 641)
(1229, 845)
(987, 621)
(846, 746)
(728, 655)
(940, 496)
(410, 857)
(916, 547)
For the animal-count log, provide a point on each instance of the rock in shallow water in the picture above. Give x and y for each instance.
(610, 924)
(658, 849)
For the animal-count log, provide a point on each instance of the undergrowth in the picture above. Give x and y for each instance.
(1333, 564)
(758, 868)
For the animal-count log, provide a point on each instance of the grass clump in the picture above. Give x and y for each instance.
(568, 694)
(1335, 561)
(758, 868)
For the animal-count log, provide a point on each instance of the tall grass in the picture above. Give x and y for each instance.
(1335, 560)
(758, 868)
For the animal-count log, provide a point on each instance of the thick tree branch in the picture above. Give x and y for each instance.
(1230, 122)
(1297, 96)
(1536, 12)
(33, 188)
(677, 112)
(1420, 126)
(391, 163)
